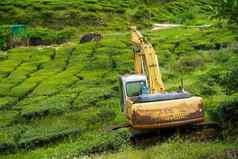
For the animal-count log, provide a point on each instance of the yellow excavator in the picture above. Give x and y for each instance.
(144, 100)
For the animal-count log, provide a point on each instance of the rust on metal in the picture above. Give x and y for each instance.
(166, 113)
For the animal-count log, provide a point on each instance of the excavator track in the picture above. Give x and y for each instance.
(204, 131)
(117, 126)
(199, 132)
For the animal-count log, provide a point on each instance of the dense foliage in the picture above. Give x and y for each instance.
(33, 36)
(228, 9)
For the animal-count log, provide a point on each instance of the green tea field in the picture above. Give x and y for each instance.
(57, 98)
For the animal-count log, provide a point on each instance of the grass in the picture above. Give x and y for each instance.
(176, 150)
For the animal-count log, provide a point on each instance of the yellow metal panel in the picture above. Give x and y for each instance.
(165, 113)
(148, 57)
(138, 63)
(154, 75)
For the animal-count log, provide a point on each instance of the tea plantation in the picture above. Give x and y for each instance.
(56, 100)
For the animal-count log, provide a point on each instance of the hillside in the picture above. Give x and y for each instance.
(57, 98)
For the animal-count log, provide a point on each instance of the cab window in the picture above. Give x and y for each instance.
(135, 88)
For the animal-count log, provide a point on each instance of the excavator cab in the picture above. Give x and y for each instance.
(132, 86)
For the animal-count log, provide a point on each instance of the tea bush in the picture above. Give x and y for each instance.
(43, 105)
(6, 102)
(91, 96)
(187, 63)
(45, 36)
(8, 117)
(55, 84)
(228, 111)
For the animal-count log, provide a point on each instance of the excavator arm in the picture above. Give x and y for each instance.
(146, 62)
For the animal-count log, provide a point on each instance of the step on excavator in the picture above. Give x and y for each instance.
(146, 104)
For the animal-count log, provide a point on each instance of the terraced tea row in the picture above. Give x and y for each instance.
(52, 83)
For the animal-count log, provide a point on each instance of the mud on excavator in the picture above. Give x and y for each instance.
(144, 101)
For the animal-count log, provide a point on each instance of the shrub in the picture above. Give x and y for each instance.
(91, 96)
(228, 111)
(42, 105)
(39, 58)
(98, 142)
(4, 37)
(226, 78)
(92, 19)
(142, 13)
(102, 117)
(230, 81)
(7, 118)
(56, 83)
(5, 102)
(23, 89)
(64, 35)
(186, 16)
(45, 36)
(7, 66)
(227, 9)
(189, 63)
(22, 54)
(16, 77)
(37, 137)
(206, 89)
(7, 143)
(19, 75)
(89, 74)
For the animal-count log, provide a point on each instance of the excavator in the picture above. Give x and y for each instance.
(144, 101)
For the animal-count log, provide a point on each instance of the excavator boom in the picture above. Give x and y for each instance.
(146, 62)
